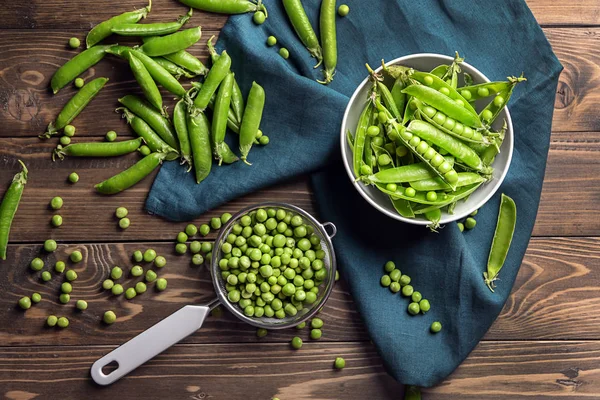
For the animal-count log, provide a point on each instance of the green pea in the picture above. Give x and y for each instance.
(384, 160)
(395, 287)
(108, 284)
(315, 334)
(64, 298)
(138, 256)
(204, 229)
(161, 284)
(416, 297)
(470, 223)
(130, 293)
(66, 287)
(145, 150)
(206, 247)
(225, 217)
(111, 136)
(56, 203)
(25, 303)
(62, 322)
(428, 80)
(461, 226)
(71, 275)
(392, 187)
(124, 223)
(474, 213)
(117, 289)
(36, 298)
(137, 271)
(261, 332)
(436, 327)
(466, 94)
(285, 53)
(69, 131)
(197, 259)
(339, 363)
(121, 212)
(109, 317)
(385, 281)
(74, 43)
(79, 83)
(445, 91)
(191, 230)
(181, 248)
(395, 275)
(431, 196)
(373, 131)
(46, 276)
(389, 266)
(182, 237)
(316, 323)
(51, 320)
(271, 41)
(424, 305)
(76, 256)
(140, 287)
(410, 192)
(116, 273)
(404, 280)
(215, 223)
(160, 262)
(413, 308)
(499, 101)
(407, 290)
(150, 276)
(365, 170)
(81, 305)
(343, 10)
(259, 17)
(36, 264)
(296, 343)
(73, 177)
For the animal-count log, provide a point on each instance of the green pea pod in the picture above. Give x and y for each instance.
(419, 197)
(103, 29)
(157, 29)
(459, 194)
(237, 99)
(156, 71)
(229, 157)
(98, 149)
(173, 68)
(488, 155)
(144, 79)
(172, 43)
(304, 30)
(143, 130)
(154, 118)
(350, 139)
(220, 114)
(251, 120)
(439, 85)
(445, 104)
(464, 179)
(213, 79)
(232, 123)
(505, 229)
(397, 71)
(451, 75)
(76, 66)
(180, 123)
(368, 157)
(182, 58)
(488, 89)
(440, 71)
(75, 106)
(328, 40)
(360, 136)
(434, 216)
(450, 126)
(492, 110)
(399, 97)
(403, 207)
(457, 148)
(229, 7)
(9, 206)
(403, 174)
(132, 175)
(199, 131)
(384, 93)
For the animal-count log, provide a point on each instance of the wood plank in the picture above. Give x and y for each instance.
(494, 371)
(555, 297)
(54, 14)
(31, 57)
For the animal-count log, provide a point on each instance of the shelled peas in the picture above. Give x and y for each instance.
(396, 282)
(272, 264)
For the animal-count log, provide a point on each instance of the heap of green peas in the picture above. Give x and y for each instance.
(396, 282)
(272, 264)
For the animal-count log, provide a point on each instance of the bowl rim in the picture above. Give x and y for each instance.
(360, 188)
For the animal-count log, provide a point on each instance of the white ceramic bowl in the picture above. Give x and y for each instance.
(426, 62)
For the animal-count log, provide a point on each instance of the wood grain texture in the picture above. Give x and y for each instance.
(494, 371)
(30, 57)
(555, 297)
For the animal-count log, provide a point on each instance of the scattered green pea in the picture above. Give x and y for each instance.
(316, 323)
(74, 43)
(424, 305)
(271, 41)
(343, 10)
(111, 136)
(140, 287)
(25, 303)
(474, 213)
(181, 248)
(66, 287)
(195, 247)
(436, 327)
(204, 229)
(296, 343)
(395, 287)
(56, 203)
(130, 293)
(46, 276)
(36, 298)
(161, 284)
(145, 150)
(404, 280)
(60, 267)
(65, 140)
(301, 326)
(261, 332)
(64, 298)
(206, 247)
(138, 256)
(413, 308)
(51, 320)
(73, 177)
(56, 220)
(116, 273)
(69, 130)
(149, 255)
(121, 212)
(117, 289)
(461, 226)
(62, 322)
(191, 230)
(285, 53)
(137, 271)
(416, 296)
(225, 217)
(340, 363)
(407, 291)
(150, 276)
(109, 317)
(76, 256)
(160, 262)
(124, 223)
(385, 281)
(36, 264)
(264, 140)
(81, 305)
(315, 334)
(470, 223)
(71, 275)
(108, 284)
(79, 82)
(197, 259)
(259, 18)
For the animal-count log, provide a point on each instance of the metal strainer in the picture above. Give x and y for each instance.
(190, 318)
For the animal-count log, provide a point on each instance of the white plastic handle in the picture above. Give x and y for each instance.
(150, 343)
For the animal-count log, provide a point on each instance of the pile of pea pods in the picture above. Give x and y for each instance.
(206, 110)
(420, 141)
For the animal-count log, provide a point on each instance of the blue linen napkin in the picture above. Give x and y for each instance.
(303, 120)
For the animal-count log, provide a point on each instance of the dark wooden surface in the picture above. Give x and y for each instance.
(544, 345)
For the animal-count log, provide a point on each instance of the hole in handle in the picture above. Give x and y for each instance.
(110, 368)
(332, 227)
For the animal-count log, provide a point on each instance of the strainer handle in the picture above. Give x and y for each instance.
(150, 343)
(331, 226)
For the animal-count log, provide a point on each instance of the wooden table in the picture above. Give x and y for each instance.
(544, 345)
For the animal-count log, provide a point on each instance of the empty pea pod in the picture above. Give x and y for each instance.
(143, 130)
(152, 117)
(173, 68)
(406, 173)
(458, 149)
(9, 206)
(226, 6)
(359, 138)
(433, 82)
(98, 149)
(213, 79)
(451, 75)
(156, 71)
(76, 66)
(74, 106)
(172, 43)
(505, 229)
(132, 175)
(449, 125)
(301, 24)
(199, 132)
(328, 40)
(220, 114)
(180, 124)
(251, 120)
(464, 179)
(156, 29)
(104, 29)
